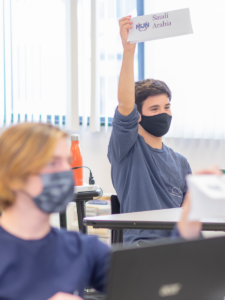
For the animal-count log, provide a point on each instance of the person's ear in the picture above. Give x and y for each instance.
(139, 120)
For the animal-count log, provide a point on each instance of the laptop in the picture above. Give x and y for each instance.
(171, 269)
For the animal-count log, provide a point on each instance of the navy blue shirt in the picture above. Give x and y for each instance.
(62, 261)
(143, 177)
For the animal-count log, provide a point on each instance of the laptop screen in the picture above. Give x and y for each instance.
(169, 269)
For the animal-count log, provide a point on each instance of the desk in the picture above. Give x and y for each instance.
(163, 219)
(80, 199)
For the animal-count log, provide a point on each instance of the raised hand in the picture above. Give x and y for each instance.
(126, 24)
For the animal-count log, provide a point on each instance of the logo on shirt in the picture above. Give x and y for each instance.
(142, 27)
(170, 290)
(177, 192)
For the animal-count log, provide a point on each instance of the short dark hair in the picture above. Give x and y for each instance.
(147, 88)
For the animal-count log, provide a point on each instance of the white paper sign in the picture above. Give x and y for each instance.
(160, 26)
(207, 194)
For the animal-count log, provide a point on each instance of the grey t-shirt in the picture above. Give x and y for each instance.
(143, 177)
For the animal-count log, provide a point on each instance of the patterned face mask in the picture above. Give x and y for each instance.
(58, 191)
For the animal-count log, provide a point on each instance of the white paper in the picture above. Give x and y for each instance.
(207, 195)
(160, 26)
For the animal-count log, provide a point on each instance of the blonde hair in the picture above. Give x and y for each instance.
(24, 150)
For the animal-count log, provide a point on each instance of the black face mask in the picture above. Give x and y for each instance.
(157, 125)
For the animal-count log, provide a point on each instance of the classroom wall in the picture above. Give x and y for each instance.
(94, 147)
(200, 154)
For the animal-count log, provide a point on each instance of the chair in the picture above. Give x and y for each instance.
(80, 199)
(116, 234)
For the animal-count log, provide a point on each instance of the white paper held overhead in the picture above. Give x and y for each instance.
(160, 26)
(207, 195)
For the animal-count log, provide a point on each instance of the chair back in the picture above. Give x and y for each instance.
(115, 205)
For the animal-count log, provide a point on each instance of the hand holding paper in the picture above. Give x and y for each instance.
(126, 25)
(207, 196)
(190, 229)
(126, 80)
(159, 26)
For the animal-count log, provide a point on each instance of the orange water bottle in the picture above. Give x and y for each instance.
(77, 160)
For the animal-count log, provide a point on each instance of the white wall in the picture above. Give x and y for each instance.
(200, 153)
(94, 147)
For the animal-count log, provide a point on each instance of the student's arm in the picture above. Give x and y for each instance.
(125, 122)
(185, 228)
(187, 173)
(126, 89)
(99, 256)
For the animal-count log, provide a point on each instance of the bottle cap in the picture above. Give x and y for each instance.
(75, 137)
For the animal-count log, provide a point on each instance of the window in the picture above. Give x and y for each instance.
(193, 67)
(2, 69)
(39, 60)
(108, 57)
(33, 48)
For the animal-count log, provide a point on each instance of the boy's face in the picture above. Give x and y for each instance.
(155, 105)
